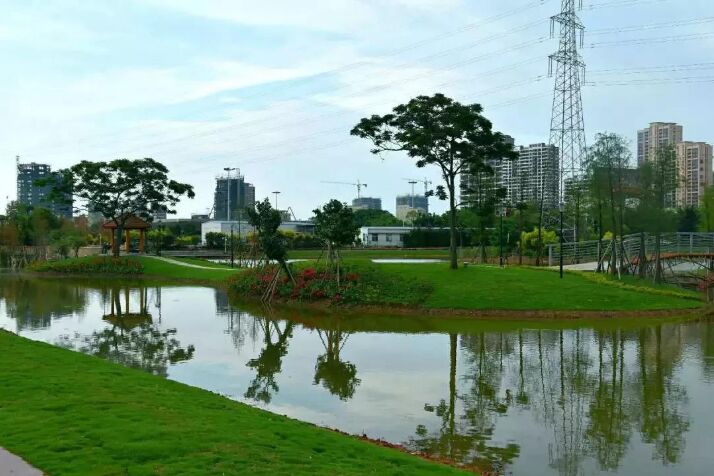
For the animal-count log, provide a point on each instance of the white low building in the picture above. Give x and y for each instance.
(243, 227)
(384, 236)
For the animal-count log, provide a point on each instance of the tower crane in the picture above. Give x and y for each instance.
(359, 186)
(425, 181)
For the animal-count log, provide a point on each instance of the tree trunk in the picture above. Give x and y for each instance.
(658, 264)
(117, 241)
(453, 264)
(539, 246)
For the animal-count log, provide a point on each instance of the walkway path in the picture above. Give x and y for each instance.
(188, 265)
(11, 465)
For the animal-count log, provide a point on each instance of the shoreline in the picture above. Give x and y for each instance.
(699, 308)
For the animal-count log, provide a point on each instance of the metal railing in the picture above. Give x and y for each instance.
(630, 246)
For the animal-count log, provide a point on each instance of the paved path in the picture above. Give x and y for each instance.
(11, 465)
(187, 265)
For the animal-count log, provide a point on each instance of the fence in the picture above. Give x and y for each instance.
(630, 245)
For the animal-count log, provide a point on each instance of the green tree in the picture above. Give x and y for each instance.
(688, 219)
(375, 218)
(436, 130)
(607, 159)
(335, 226)
(266, 221)
(120, 189)
(707, 210)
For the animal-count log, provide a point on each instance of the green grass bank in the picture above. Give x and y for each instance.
(433, 286)
(71, 414)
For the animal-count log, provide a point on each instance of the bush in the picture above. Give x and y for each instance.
(359, 285)
(92, 265)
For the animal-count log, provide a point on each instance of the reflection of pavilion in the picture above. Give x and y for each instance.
(124, 317)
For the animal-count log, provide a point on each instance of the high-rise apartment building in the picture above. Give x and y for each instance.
(658, 134)
(232, 194)
(30, 194)
(411, 203)
(694, 168)
(534, 174)
(367, 203)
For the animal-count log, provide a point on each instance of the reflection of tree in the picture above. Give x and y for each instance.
(339, 377)
(268, 364)
(609, 431)
(133, 340)
(144, 347)
(662, 422)
(33, 303)
(467, 438)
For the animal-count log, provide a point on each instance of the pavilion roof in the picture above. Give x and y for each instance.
(132, 223)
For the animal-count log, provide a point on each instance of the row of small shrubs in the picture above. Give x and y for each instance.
(358, 285)
(91, 265)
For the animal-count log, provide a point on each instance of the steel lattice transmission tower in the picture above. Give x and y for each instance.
(567, 128)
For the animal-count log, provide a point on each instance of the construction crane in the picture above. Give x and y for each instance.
(425, 181)
(359, 186)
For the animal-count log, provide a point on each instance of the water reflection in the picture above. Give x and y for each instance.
(618, 397)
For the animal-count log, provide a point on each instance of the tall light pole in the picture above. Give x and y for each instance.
(276, 193)
(228, 195)
(500, 237)
(562, 210)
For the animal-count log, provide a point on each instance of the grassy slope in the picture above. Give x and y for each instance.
(367, 253)
(155, 267)
(68, 413)
(203, 262)
(485, 287)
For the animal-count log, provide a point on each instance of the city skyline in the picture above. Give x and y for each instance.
(280, 106)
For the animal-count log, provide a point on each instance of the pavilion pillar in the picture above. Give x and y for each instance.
(142, 240)
(113, 240)
(127, 244)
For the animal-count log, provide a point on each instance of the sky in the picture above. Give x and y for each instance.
(274, 87)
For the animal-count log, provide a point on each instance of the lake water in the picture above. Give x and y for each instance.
(530, 398)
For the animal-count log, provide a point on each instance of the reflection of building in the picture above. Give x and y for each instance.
(411, 203)
(367, 203)
(658, 134)
(35, 196)
(234, 192)
(694, 167)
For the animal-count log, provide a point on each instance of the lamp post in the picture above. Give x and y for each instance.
(562, 210)
(500, 237)
(276, 193)
(233, 246)
(228, 195)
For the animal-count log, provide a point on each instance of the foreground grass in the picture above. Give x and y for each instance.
(516, 288)
(71, 414)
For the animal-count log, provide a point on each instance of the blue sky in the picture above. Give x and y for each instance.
(274, 87)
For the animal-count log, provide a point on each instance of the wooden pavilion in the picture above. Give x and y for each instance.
(132, 223)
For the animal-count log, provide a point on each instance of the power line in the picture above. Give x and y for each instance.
(643, 41)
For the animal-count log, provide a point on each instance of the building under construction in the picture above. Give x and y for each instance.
(233, 194)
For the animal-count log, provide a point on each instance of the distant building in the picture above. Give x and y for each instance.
(694, 168)
(534, 174)
(384, 236)
(243, 227)
(233, 192)
(200, 217)
(367, 203)
(411, 203)
(658, 134)
(32, 195)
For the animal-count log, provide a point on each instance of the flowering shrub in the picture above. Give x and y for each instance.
(362, 285)
(91, 265)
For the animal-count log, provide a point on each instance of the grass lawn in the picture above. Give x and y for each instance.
(437, 253)
(155, 267)
(71, 414)
(493, 288)
(203, 262)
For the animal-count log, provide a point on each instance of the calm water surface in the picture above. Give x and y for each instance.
(530, 398)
